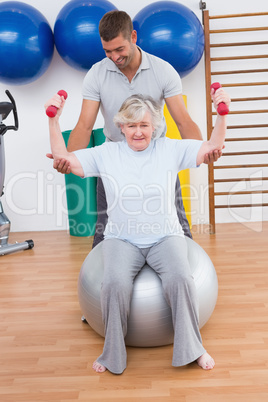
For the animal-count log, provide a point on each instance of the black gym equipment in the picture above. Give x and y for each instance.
(5, 247)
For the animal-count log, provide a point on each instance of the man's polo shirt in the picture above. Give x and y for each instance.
(106, 84)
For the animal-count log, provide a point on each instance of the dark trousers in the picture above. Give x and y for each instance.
(102, 214)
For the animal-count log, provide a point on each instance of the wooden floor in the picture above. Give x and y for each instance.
(46, 352)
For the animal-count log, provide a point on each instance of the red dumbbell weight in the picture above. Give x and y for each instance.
(222, 108)
(51, 111)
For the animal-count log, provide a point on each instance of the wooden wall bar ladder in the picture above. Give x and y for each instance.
(237, 57)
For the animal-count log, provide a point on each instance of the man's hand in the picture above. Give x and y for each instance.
(61, 165)
(213, 156)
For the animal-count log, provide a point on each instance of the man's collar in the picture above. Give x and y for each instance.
(144, 60)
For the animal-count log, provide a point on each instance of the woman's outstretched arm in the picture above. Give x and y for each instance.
(218, 134)
(58, 148)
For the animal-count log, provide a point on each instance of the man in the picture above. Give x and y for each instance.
(125, 71)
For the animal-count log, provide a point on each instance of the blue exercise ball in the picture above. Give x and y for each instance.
(171, 31)
(26, 43)
(76, 32)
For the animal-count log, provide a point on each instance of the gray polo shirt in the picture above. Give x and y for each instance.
(106, 84)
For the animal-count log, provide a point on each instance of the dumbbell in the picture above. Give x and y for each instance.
(51, 111)
(222, 108)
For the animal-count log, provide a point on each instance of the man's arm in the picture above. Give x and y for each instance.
(187, 127)
(80, 135)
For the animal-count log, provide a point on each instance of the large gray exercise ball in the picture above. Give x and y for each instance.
(150, 322)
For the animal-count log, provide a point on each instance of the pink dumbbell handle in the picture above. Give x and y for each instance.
(51, 111)
(222, 108)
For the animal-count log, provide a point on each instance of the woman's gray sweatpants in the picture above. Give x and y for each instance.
(122, 262)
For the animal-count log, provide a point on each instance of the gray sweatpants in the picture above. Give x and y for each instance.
(122, 262)
(102, 214)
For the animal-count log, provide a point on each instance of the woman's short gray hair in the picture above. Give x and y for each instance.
(135, 107)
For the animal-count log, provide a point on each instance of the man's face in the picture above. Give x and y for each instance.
(120, 50)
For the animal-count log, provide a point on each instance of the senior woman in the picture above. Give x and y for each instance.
(139, 176)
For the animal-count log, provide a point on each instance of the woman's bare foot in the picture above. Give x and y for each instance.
(206, 362)
(99, 368)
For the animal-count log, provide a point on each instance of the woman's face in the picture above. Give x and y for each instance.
(139, 135)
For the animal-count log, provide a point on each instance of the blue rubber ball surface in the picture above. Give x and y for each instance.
(76, 32)
(26, 43)
(173, 32)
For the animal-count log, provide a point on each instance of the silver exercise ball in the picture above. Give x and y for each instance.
(150, 322)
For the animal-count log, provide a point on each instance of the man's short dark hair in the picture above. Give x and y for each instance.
(115, 23)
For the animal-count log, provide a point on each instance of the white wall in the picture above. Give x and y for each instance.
(34, 193)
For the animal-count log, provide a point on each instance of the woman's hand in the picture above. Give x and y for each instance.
(218, 96)
(57, 101)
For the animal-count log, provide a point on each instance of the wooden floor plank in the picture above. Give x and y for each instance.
(46, 351)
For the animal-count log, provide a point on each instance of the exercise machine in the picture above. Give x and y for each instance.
(5, 247)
